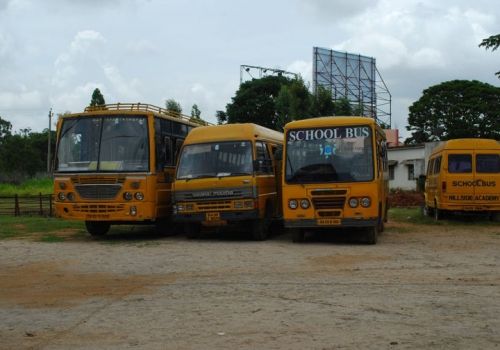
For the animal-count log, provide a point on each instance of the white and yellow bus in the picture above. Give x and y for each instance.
(463, 175)
(115, 165)
(335, 176)
(228, 174)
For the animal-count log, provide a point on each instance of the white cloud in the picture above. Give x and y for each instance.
(128, 90)
(21, 100)
(142, 47)
(338, 9)
(78, 97)
(304, 68)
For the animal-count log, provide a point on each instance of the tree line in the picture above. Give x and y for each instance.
(451, 109)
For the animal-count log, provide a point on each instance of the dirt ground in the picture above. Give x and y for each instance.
(421, 286)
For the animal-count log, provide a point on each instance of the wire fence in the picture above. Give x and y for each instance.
(39, 205)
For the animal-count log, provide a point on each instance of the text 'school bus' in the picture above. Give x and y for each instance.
(227, 174)
(463, 175)
(115, 163)
(335, 175)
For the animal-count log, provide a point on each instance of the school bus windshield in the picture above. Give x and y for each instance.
(103, 144)
(319, 155)
(217, 159)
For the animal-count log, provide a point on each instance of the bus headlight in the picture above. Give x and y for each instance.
(61, 196)
(365, 202)
(133, 211)
(292, 204)
(353, 202)
(139, 196)
(127, 196)
(71, 196)
(304, 203)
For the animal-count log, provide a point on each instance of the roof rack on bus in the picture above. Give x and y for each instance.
(144, 107)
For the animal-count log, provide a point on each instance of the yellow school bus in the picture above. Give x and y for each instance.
(115, 164)
(228, 174)
(335, 176)
(463, 175)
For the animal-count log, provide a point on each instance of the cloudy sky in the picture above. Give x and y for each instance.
(54, 53)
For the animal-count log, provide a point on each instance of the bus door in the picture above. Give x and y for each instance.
(457, 187)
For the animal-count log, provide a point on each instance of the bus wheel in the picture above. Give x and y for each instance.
(97, 228)
(298, 235)
(371, 235)
(438, 213)
(192, 230)
(259, 229)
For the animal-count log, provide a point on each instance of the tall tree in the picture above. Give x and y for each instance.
(270, 101)
(221, 117)
(342, 107)
(322, 103)
(493, 43)
(173, 106)
(455, 109)
(5, 128)
(97, 99)
(195, 112)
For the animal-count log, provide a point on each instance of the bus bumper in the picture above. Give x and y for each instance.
(313, 223)
(225, 217)
(106, 211)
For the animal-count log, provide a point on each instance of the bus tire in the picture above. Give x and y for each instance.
(259, 230)
(97, 228)
(438, 213)
(381, 220)
(371, 235)
(192, 231)
(298, 235)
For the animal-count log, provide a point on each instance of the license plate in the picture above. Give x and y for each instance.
(96, 216)
(328, 221)
(212, 216)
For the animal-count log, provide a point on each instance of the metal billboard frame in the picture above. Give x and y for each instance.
(354, 77)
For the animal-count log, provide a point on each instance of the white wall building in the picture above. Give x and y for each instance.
(406, 164)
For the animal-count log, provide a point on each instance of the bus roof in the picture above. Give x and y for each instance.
(134, 109)
(329, 121)
(232, 132)
(457, 144)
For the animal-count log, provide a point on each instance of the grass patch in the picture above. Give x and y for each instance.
(28, 188)
(415, 216)
(51, 239)
(23, 226)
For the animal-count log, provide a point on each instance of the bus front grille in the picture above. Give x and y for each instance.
(328, 192)
(93, 180)
(98, 208)
(214, 205)
(98, 191)
(328, 202)
(329, 213)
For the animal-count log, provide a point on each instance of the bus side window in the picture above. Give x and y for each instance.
(178, 145)
(430, 166)
(167, 147)
(437, 165)
(262, 157)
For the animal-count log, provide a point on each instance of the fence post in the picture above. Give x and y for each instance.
(41, 204)
(16, 205)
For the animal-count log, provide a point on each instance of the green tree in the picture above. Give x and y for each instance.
(322, 103)
(493, 43)
(5, 128)
(97, 99)
(221, 117)
(173, 106)
(455, 109)
(270, 101)
(195, 112)
(343, 107)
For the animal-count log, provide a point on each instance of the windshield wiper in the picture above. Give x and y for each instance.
(219, 175)
(201, 176)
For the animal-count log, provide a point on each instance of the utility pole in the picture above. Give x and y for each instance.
(48, 144)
